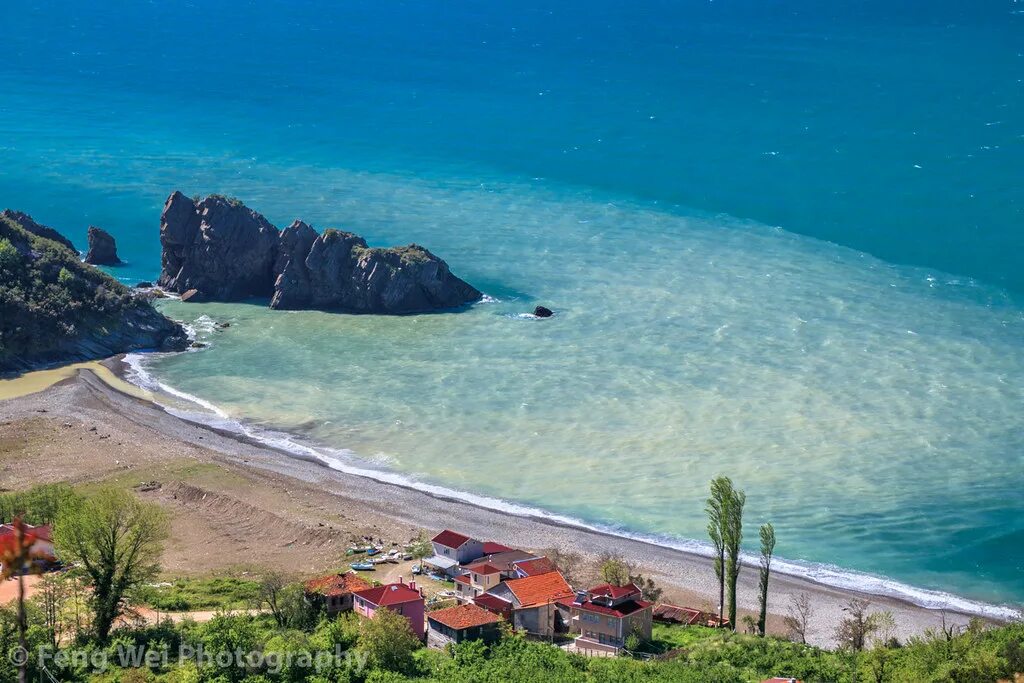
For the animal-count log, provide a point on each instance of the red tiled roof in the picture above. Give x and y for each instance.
(389, 594)
(614, 592)
(539, 565)
(491, 547)
(623, 609)
(462, 578)
(493, 603)
(337, 585)
(540, 589)
(463, 616)
(779, 679)
(451, 539)
(482, 568)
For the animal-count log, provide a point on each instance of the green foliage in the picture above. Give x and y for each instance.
(10, 257)
(38, 505)
(117, 539)
(47, 295)
(767, 551)
(191, 594)
(724, 508)
(388, 641)
(699, 655)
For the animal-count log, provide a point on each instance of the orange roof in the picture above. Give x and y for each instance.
(540, 589)
(484, 567)
(337, 585)
(463, 616)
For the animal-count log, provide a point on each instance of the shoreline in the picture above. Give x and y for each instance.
(686, 574)
(291, 446)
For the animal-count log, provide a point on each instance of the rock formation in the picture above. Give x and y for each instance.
(543, 312)
(225, 251)
(102, 248)
(218, 247)
(79, 313)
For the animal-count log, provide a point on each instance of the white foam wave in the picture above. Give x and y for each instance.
(347, 462)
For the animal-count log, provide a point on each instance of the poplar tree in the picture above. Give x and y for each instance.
(767, 550)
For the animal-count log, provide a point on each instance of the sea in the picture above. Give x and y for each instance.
(782, 239)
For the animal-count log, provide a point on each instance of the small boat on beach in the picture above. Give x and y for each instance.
(362, 566)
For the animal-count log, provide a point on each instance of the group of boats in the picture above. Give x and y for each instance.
(375, 555)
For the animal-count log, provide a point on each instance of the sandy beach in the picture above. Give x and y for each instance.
(237, 505)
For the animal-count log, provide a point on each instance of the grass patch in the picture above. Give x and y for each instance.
(210, 593)
(666, 637)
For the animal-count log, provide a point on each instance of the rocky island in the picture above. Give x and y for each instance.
(54, 308)
(102, 248)
(217, 249)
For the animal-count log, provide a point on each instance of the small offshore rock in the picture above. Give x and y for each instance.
(144, 285)
(198, 345)
(543, 312)
(102, 248)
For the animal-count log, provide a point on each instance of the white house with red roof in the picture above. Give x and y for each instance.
(402, 598)
(451, 550)
(606, 615)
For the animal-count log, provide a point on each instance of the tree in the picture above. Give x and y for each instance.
(568, 563)
(855, 629)
(615, 570)
(725, 527)
(118, 540)
(767, 550)
(732, 539)
(388, 641)
(717, 511)
(271, 586)
(54, 593)
(799, 617)
(421, 548)
(18, 555)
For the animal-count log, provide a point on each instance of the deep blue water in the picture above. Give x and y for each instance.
(600, 156)
(896, 131)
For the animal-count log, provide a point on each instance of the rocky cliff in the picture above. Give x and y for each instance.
(218, 247)
(54, 308)
(102, 248)
(226, 251)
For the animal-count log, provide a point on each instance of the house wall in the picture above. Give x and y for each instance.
(413, 611)
(539, 621)
(611, 630)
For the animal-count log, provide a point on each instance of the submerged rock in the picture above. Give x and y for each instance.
(543, 312)
(225, 251)
(102, 248)
(144, 285)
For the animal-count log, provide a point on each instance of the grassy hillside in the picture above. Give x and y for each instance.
(55, 308)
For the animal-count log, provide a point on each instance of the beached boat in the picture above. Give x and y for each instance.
(362, 566)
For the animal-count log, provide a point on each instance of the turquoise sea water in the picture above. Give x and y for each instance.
(859, 369)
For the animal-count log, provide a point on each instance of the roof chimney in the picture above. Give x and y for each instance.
(401, 580)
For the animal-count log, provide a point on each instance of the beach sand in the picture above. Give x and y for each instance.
(239, 506)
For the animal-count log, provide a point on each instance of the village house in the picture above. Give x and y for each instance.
(606, 615)
(686, 616)
(461, 623)
(452, 550)
(533, 566)
(480, 577)
(335, 590)
(532, 604)
(402, 598)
